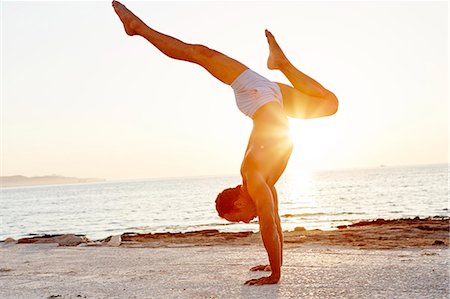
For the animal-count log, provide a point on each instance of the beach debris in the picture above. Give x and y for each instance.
(437, 223)
(429, 228)
(115, 241)
(429, 253)
(5, 269)
(197, 238)
(92, 244)
(299, 229)
(439, 242)
(62, 240)
(10, 240)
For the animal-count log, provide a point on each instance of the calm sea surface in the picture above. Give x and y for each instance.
(313, 200)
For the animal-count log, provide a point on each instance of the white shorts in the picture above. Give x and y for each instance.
(252, 91)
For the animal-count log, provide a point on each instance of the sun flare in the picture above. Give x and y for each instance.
(314, 143)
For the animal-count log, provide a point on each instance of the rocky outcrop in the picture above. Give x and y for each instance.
(62, 240)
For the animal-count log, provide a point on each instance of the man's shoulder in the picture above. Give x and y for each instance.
(257, 186)
(253, 176)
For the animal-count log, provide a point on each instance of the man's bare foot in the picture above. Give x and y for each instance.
(129, 20)
(276, 56)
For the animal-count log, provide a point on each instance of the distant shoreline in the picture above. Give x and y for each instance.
(23, 181)
(58, 179)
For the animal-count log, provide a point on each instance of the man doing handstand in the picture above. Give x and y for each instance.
(269, 147)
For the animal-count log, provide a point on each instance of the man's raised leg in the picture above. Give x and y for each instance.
(219, 65)
(308, 99)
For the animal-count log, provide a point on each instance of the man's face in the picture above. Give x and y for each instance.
(245, 211)
(240, 215)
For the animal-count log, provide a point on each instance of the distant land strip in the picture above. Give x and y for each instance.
(20, 180)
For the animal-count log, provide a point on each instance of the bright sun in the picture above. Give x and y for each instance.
(314, 143)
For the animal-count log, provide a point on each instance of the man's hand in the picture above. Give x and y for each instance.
(261, 268)
(263, 280)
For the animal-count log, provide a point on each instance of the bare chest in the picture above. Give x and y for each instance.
(268, 157)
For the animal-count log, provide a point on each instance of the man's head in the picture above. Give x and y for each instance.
(235, 204)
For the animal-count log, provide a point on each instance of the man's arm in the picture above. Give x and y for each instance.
(280, 232)
(277, 220)
(261, 193)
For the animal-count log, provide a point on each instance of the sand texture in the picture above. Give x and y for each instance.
(309, 271)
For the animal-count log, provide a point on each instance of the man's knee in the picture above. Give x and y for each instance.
(200, 53)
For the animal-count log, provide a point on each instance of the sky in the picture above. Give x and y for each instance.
(81, 98)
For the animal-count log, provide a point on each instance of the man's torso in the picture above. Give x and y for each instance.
(270, 145)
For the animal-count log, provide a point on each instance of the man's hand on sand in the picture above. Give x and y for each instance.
(261, 268)
(262, 280)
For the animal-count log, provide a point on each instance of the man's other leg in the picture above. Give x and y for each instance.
(308, 98)
(219, 65)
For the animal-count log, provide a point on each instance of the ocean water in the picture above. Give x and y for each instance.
(320, 200)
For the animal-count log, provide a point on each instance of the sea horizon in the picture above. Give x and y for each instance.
(152, 178)
(317, 200)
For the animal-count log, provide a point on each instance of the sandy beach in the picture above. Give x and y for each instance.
(376, 259)
(47, 271)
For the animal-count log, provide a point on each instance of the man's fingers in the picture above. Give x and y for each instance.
(262, 281)
(250, 282)
(261, 268)
(256, 281)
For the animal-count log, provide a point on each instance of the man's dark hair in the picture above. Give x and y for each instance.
(226, 199)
